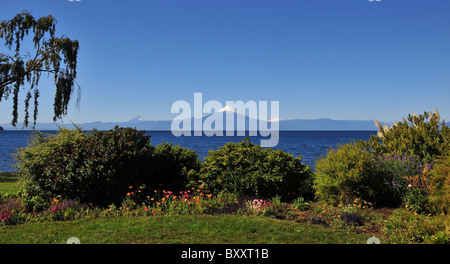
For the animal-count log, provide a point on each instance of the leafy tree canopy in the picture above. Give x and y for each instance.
(53, 55)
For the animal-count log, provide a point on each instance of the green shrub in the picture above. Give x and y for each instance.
(396, 170)
(347, 173)
(173, 167)
(247, 169)
(98, 167)
(404, 226)
(439, 199)
(424, 136)
(94, 167)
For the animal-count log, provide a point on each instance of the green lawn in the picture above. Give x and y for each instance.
(8, 182)
(198, 229)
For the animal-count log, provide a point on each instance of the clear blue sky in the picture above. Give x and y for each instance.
(339, 59)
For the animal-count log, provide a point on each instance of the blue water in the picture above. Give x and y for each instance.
(308, 144)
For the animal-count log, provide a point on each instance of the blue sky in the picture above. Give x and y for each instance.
(339, 59)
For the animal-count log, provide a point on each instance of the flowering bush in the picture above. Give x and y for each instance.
(259, 206)
(404, 178)
(6, 218)
(274, 207)
(192, 201)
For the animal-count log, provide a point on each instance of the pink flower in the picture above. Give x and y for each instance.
(146, 209)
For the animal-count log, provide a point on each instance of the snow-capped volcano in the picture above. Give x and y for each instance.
(227, 108)
(137, 119)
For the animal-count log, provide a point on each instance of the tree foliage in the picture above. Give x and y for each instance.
(52, 55)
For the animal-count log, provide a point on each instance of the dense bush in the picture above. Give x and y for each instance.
(173, 167)
(397, 172)
(439, 185)
(424, 136)
(346, 173)
(247, 169)
(94, 167)
(98, 166)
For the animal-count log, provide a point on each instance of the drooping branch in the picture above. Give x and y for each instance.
(53, 55)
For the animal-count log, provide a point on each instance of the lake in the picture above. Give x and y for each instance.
(308, 144)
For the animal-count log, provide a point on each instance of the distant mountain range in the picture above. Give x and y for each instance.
(293, 124)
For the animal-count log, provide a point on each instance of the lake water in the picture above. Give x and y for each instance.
(308, 144)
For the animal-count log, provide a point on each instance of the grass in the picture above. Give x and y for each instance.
(8, 182)
(193, 229)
